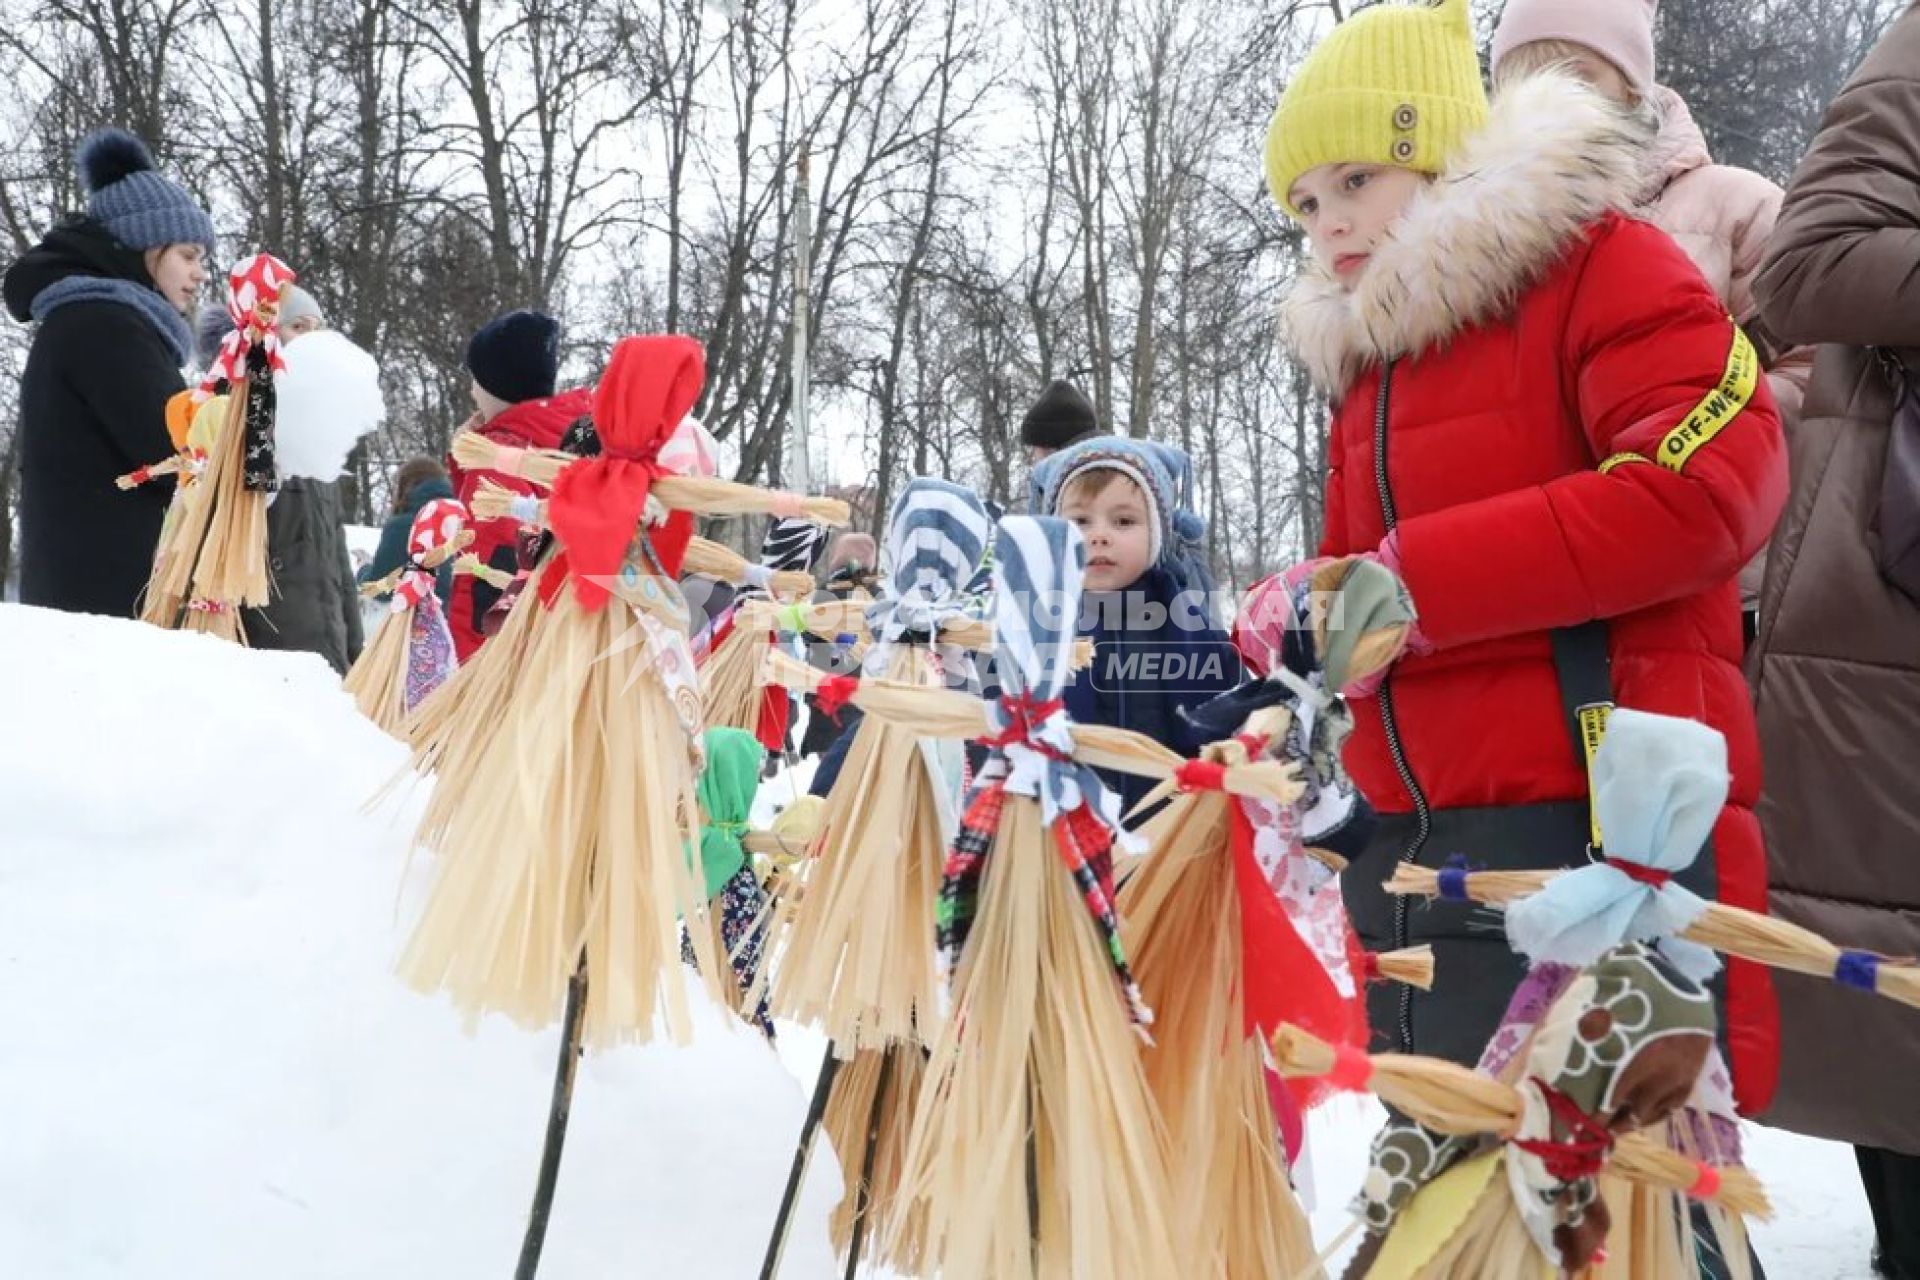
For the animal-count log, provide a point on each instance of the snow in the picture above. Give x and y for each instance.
(209, 1069)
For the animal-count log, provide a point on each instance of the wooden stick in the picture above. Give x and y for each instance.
(536, 1237)
(797, 1172)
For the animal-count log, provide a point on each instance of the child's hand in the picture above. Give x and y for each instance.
(1364, 620)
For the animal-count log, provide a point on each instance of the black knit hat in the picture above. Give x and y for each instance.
(1058, 418)
(516, 357)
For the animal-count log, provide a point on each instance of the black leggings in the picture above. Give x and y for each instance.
(1892, 1181)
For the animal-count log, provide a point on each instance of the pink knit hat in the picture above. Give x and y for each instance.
(1621, 31)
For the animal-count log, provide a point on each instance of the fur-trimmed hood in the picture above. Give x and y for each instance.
(1553, 156)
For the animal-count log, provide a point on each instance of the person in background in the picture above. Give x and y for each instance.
(1722, 216)
(315, 604)
(1061, 417)
(419, 480)
(1836, 666)
(110, 290)
(514, 360)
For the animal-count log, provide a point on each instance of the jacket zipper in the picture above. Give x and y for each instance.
(1389, 721)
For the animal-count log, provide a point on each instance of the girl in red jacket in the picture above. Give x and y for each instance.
(1545, 421)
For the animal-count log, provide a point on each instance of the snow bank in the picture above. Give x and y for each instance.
(208, 1068)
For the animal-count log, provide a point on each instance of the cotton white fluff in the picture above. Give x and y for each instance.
(329, 396)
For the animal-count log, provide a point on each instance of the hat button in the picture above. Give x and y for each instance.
(1403, 150)
(1405, 116)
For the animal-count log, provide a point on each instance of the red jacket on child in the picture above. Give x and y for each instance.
(532, 424)
(1573, 430)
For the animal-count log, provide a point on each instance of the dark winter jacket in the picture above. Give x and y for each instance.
(92, 407)
(1837, 664)
(315, 602)
(1148, 668)
(392, 551)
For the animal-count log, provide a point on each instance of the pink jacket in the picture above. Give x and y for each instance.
(1723, 218)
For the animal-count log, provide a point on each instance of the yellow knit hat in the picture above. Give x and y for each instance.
(1395, 84)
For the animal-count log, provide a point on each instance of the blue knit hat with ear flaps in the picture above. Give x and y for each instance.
(1165, 475)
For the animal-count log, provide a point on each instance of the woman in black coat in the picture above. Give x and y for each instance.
(110, 290)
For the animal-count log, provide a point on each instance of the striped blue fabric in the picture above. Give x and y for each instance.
(1039, 572)
(979, 588)
(790, 544)
(936, 536)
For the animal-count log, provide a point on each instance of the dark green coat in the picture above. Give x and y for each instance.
(316, 602)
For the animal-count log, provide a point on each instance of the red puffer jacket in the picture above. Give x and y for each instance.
(532, 424)
(1573, 429)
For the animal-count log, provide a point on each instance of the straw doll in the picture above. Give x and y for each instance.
(736, 900)
(191, 427)
(733, 661)
(569, 820)
(857, 959)
(1549, 1174)
(1035, 1149)
(453, 726)
(216, 560)
(412, 652)
(856, 949)
(1236, 927)
(1631, 891)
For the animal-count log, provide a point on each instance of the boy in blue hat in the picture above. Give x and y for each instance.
(1148, 607)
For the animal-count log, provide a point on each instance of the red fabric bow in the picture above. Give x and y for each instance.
(1201, 775)
(1582, 1153)
(598, 504)
(1026, 714)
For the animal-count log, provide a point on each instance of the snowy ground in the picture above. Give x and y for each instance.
(208, 1070)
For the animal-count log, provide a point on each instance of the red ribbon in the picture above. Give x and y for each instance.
(1027, 715)
(598, 504)
(1371, 966)
(1201, 775)
(1582, 1153)
(1352, 1069)
(834, 693)
(1652, 877)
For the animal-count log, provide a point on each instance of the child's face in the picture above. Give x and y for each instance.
(1347, 210)
(1117, 525)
